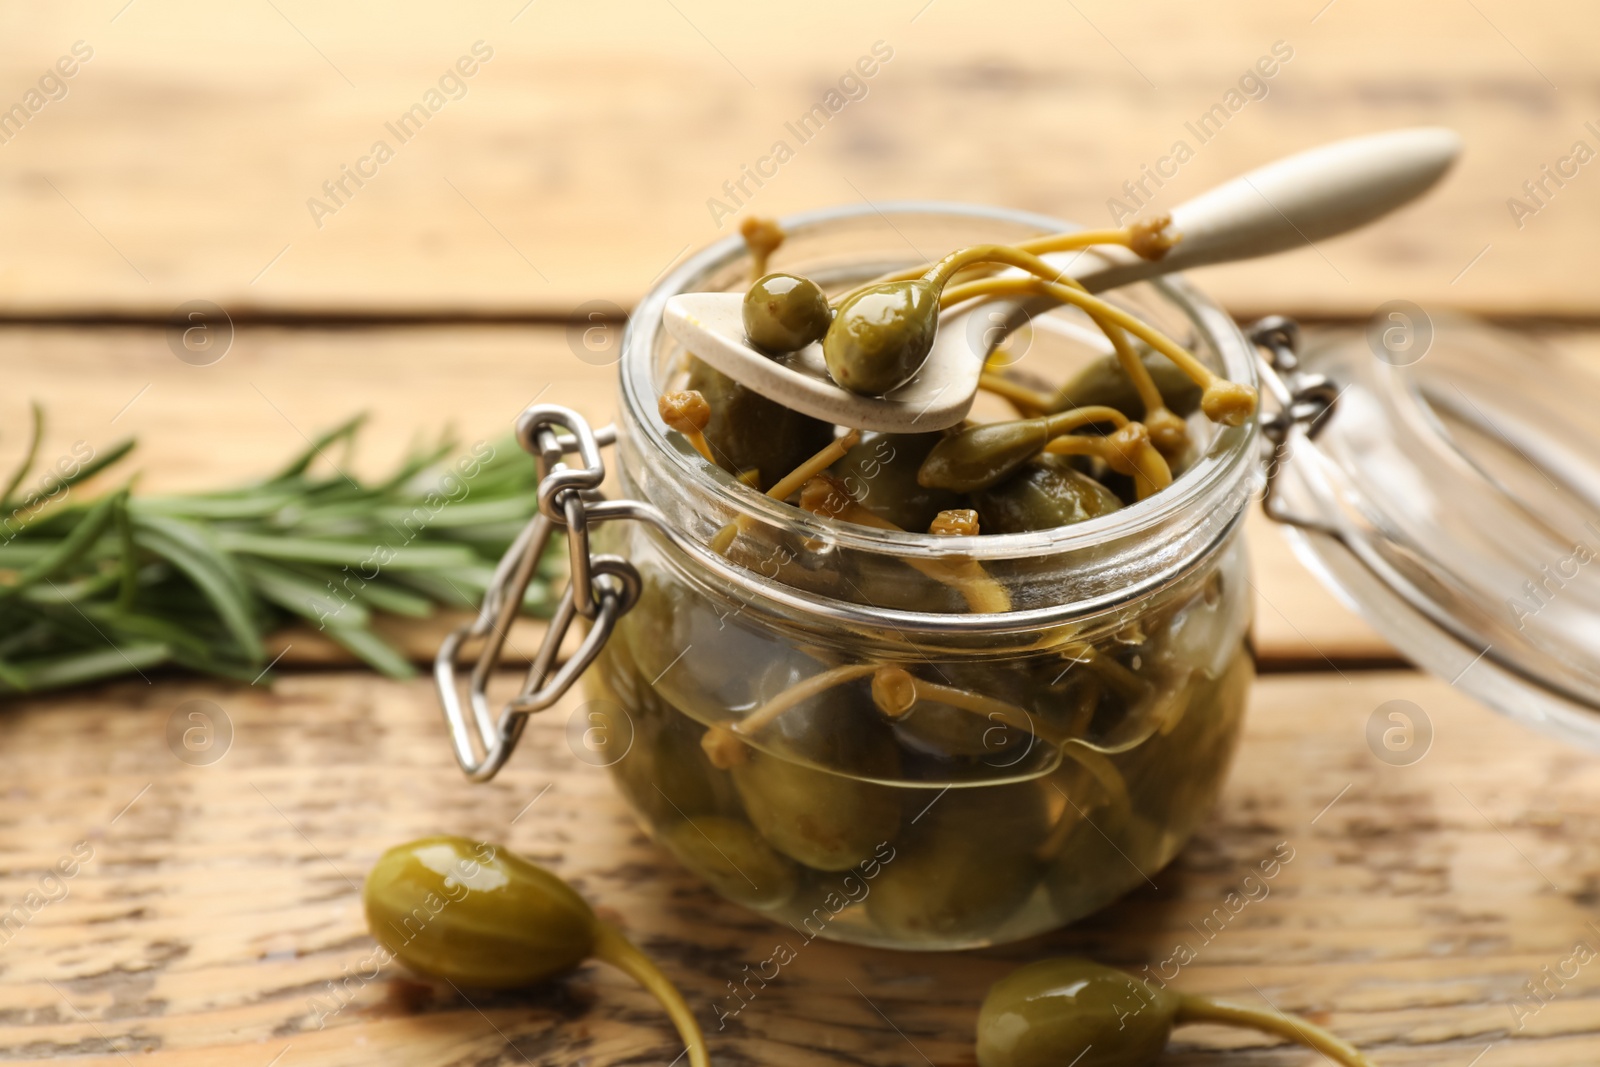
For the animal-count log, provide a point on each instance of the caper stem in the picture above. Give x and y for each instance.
(1067, 421)
(982, 593)
(612, 947)
(687, 412)
(762, 237)
(1150, 471)
(1171, 431)
(1103, 770)
(830, 454)
(790, 484)
(1027, 402)
(1198, 372)
(1193, 1009)
(1071, 242)
(701, 445)
(1127, 684)
(804, 690)
(1147, 239)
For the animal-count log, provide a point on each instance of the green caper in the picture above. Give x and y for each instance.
(983, 455)
(880, 473)
(881, 336)
(809, 800)
(1102, 382)
(665, 774)
(824, 819)
(1178, 775)
(748, 432)
(1075, 1011)
(964, 866)
(477, 915)
(1103, 855)
(1047, 492)
(735, 859)
(784, 313)
(944, 732)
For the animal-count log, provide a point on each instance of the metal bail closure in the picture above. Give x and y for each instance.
(1453, 500)
(1304, 401)
(601, 589)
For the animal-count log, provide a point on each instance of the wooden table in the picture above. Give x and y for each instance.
(572, 168)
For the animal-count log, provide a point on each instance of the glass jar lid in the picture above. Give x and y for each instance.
(1452, 497)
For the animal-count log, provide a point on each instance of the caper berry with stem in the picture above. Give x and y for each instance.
(1103, 383)
(965, 865)
(1047, 492)
(881, 336)
(983, 455)
(825, 496)
(784, 313)
(811, 788)
(880, 474)
(735, 859)
(664, 774)
(748, 431)
(687, 412)
(762, 236)
(477, 915)
(1074, 1010)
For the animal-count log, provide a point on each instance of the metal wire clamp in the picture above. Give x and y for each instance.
(1304, 401)
(600, 589)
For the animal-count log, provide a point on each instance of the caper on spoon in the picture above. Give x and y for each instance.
(1315, 194)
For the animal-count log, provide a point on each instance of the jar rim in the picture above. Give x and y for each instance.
(1218, 466)
(1200, 512)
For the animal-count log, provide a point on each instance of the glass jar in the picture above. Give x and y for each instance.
(898, 739)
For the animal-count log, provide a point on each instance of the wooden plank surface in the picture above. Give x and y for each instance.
(577, 163)
(201, 427)
(1418, 901)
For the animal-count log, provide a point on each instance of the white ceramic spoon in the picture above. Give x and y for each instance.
(1298, 200)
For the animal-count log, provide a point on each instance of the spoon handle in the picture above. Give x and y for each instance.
(1295, 201)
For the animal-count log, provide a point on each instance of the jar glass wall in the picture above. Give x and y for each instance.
(941, 743)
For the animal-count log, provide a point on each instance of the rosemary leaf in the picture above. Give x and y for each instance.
(95, 588)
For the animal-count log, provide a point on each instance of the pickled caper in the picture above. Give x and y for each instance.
(881, 336)
(477, 915)
(821, 818)
(980, 456)
(1103, 382)
(665, 775)
(810, 800)
(1178, 779)
(1047, 492)
(735, 859)
(965, 865)
(1103, 855)
(1072, 1010)
(880, 473)
(748, 432)
(784, 313)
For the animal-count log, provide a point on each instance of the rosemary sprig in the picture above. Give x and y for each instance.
(126, 582)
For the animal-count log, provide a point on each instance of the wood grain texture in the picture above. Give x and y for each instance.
(578, 163)
(1417, 902)
(201, 427)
